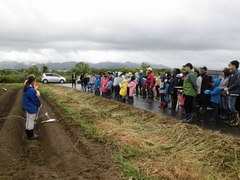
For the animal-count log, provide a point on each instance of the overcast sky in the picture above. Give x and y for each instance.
(204, 32)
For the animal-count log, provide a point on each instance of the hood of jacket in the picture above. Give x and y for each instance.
(216, 82)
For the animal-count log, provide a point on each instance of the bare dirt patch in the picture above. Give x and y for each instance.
(61, 152)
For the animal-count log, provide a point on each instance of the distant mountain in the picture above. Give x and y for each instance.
(71, 64)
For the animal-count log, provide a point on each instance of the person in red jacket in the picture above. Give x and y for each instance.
(104, 86)
(151, 84)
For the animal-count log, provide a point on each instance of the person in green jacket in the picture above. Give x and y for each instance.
(190, 91)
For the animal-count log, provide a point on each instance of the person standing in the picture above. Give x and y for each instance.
(223, 96)
(204, 86)
(123, 90)
(141, 76)
(233, 91)
(151, 84)
(74, 77)
(31, 104)
(157, 85)
(190, 91)
(104, 86)
(97, 85)
(81, 81)
(132, 87)
(197, 99)
(172, 90)
(138, 87)
(215, 97)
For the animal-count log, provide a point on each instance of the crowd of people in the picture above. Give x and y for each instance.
(191, 88)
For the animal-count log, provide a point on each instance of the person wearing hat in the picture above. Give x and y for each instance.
(233, 91)
(204, 86)
(172, 91)
(190, 91)
(150, 84)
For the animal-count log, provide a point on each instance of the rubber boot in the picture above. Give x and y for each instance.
(31, 135)
(221, 113)
(225, 114)
(204, 110)
(196, 112)
(123, 100)
(236, 122)
(188, 118)
(232, 119)
(27, 133)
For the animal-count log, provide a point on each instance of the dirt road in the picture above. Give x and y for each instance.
(61, 152)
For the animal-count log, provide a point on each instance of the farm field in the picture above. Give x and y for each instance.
(96, 138)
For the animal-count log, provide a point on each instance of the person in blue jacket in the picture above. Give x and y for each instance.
(30, 103)
(97, 85)
(215, 98)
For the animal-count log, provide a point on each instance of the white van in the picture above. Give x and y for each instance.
(53, 78)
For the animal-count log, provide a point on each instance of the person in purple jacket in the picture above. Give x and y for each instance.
(30, 103)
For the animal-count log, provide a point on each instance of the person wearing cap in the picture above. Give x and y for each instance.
(150, 79)
(233, 91)
(204, 86)
(190, 91)
(172, 91)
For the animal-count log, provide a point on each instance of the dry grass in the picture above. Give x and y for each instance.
(162, 148)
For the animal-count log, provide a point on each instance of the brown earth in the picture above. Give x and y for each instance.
(61, 152)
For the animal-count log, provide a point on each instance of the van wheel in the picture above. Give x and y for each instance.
(45, 81)
(61, 81)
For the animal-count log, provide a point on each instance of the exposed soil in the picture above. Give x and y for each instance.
(61, 152)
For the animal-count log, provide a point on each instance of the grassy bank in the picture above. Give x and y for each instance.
(147, 145)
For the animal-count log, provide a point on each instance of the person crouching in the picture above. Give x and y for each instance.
(30, 103)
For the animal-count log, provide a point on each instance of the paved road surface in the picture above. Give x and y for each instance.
(201, 121)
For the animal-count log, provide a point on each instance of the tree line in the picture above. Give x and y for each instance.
(19, 76)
